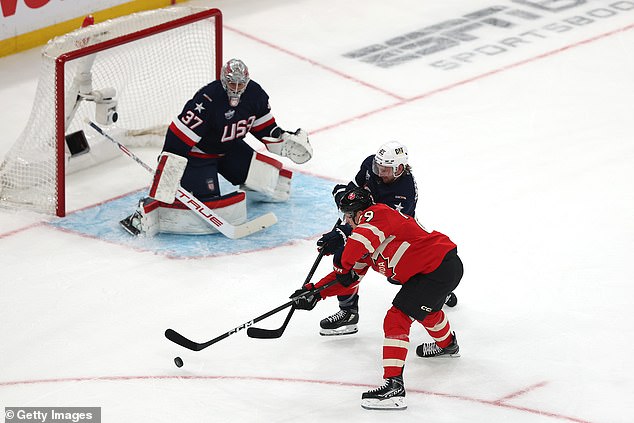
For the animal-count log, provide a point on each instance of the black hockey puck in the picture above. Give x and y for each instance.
(178, 361)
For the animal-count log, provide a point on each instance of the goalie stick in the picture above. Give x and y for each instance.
(179, 339)
(198, 207)
(260, 333)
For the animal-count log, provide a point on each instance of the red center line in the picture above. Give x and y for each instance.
(17, 231)
(521, 392)
(496, 403)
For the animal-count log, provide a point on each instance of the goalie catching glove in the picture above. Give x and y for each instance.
(305, 298)
(294, 145)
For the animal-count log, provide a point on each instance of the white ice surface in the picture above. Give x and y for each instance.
(525, 159)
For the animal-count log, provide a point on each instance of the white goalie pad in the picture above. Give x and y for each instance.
(267, 181)
(178, 219)
(264, 172)
(167, 177)
(295, 146)
(283, 188)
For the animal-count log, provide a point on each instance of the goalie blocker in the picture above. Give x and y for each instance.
(167, 177)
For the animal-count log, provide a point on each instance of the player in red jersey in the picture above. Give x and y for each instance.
(389, 178)
(426, 266)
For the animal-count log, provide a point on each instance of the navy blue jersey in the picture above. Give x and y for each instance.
(208, 127)
(401, 195)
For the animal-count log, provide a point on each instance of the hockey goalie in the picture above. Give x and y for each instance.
(207, 140)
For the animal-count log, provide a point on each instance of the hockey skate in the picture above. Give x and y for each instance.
(390, 396)
(451, 300)
(140, 222)
(430, 349)
(132, 223)
(343, 322)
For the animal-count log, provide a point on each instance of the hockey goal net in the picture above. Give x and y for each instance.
(131, 75)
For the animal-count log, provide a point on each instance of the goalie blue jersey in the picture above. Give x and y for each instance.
(208, 126)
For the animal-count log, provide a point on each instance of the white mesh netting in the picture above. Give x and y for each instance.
(152, 77)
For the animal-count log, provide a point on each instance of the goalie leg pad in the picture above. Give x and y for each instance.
(263, 175)
(266, 168)
(178, 219)
(283, 188)
(167, 177)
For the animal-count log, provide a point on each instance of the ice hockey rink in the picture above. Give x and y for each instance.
(521, 139)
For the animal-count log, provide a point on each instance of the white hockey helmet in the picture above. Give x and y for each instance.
(390, 155)
(234, 77)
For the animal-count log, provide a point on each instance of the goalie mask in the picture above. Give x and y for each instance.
(390, 161)
(234, 77)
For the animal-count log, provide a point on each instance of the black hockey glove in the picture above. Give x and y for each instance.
(309, 298)
(345, 278)
(334, 240)
(339, 190)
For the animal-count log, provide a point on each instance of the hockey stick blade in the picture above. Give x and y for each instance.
(260, 333)
(227, 229)
(197, 206)
(252, 226)
(179, 339)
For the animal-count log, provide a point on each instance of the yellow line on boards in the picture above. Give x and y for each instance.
(41, 36)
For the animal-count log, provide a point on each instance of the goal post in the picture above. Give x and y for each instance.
(130, 74)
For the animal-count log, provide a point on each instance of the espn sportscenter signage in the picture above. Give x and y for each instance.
(493, 29)
(28, 23)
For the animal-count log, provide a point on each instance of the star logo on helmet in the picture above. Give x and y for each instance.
(199, 107)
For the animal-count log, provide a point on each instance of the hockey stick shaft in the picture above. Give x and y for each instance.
(260, 333)
(197, 206)
(179, 339)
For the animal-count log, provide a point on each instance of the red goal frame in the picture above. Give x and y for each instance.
(60, 126)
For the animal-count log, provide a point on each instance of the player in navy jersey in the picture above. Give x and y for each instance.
(423, 263)
(208, 138)
(388, 176)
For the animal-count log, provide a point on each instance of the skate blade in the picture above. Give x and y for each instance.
(344, 330)
(456, 355)
(125, 224)
(394, 403)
